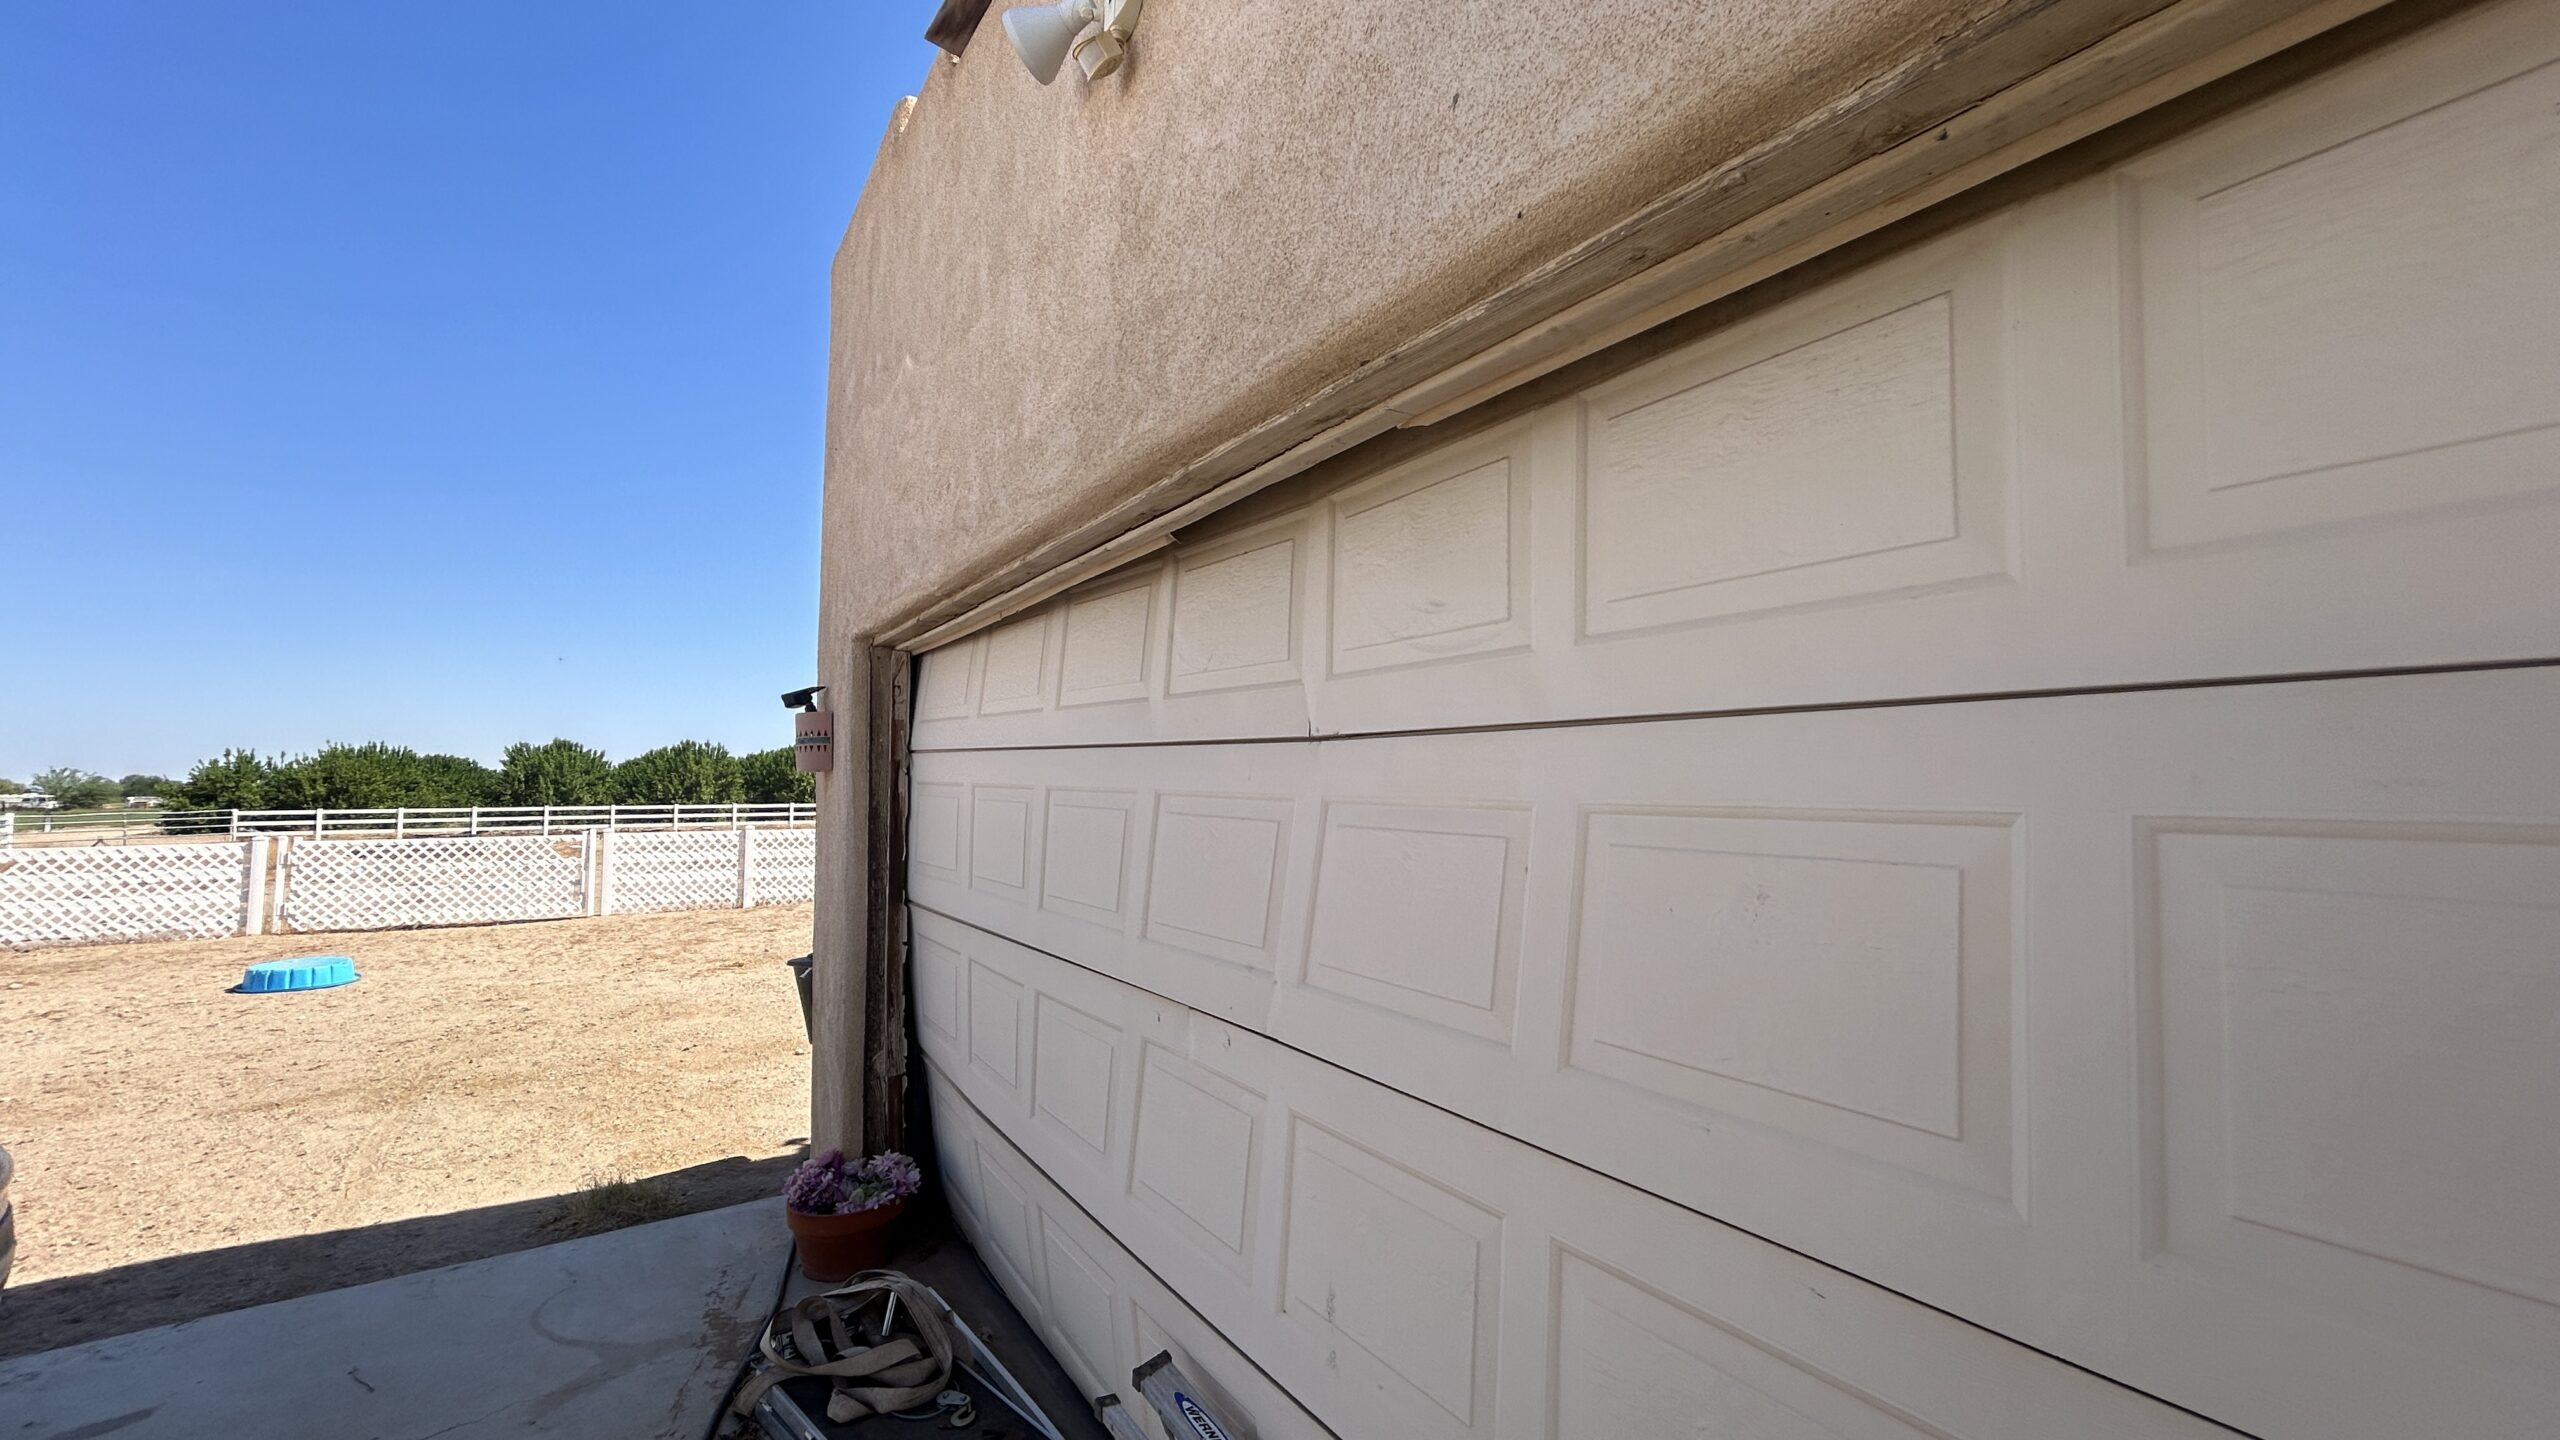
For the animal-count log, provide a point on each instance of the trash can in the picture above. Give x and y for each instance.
(800, 967)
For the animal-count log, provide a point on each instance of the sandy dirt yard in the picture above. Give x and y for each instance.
(183, 1150)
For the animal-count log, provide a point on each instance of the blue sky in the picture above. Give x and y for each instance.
(445, 374)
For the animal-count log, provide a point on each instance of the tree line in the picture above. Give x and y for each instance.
(80, 790)
(379, 776)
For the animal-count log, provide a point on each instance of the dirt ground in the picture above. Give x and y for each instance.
(183, 1150)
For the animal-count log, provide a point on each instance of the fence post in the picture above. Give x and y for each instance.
(235, 824)
(746, 868)
(546, 819)
(284, 884)
(319, 823)
(612, 816)
(400, 822)
(475, 820)
(604, 873)
(253, 894)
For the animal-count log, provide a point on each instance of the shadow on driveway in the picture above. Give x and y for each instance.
(77, 1309)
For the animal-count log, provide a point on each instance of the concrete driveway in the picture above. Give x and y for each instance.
(626, 1336)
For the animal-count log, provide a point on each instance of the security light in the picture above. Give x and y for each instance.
(1095, 32)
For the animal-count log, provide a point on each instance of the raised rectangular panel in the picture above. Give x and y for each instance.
(1846, 978)
(938, 970)
(933, 831)
(1081, 1304)
(1235, 610)
(1005, 1208)
(1402, 1268)
(1073, 1059)
(1214, 881)
(1196, 1152)
(995, 1026)
(946, 681)
(1430, 560)
(1000, 839)
(1016, 673)
(2356, 1059)
(1840, 447)
(1847, 447)
(956, 1148)
(1110, 635)
(1085, 854)
(1418, 910)
(1629, 1360)
(2349, 299)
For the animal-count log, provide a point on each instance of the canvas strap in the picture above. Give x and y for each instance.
(883, 1357)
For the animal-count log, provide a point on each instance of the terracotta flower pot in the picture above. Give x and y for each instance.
(835, 1247)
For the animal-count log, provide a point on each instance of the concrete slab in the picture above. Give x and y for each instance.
(626, 1336)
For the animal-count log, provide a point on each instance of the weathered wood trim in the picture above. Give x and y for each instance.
(887, 1039)
(839, 996)
(1906, 140)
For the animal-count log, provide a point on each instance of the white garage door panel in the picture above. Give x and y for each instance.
(2282, 397)
(1405, 1272)
(1886, 986)
(1100, 1310)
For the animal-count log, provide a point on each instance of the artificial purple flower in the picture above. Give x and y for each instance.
(829, 1184)
(818, 1186)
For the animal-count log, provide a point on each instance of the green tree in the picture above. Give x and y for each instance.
(556, 772)
(375, 776)
(771, 777)
(76, 789)
(689, 772)
(12, 787)
(453, 780)
(234, 780)
(134, 787)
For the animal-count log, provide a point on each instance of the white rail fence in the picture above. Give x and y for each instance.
(56, 895)
(46, 827)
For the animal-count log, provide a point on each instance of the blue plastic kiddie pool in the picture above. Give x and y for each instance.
(308, 972)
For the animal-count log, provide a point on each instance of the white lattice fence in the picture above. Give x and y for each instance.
(672, 870)
(390, 884)
(122, 892)
(783, 866)
(71, 894)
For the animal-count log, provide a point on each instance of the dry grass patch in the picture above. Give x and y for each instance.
(481, 1089)
(610, 1204)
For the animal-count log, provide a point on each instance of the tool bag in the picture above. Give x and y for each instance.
(882, 1338)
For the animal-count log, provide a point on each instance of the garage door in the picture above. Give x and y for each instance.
(1975, 854)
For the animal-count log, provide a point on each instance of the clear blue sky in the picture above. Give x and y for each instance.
(446, 374)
